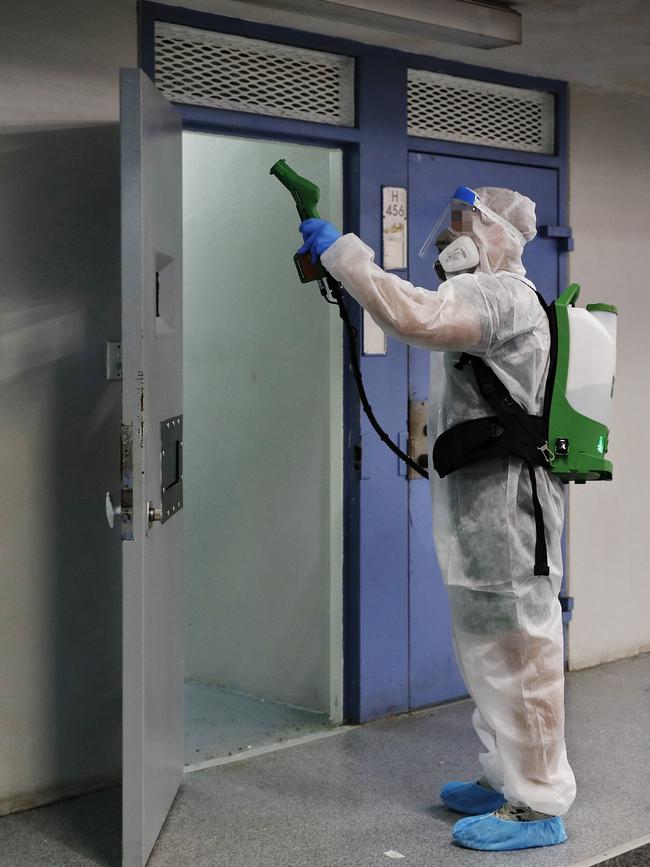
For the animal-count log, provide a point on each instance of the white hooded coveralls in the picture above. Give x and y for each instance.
(507, 622)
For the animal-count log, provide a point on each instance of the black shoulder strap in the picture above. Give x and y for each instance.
(541, 552)
(510, 431)
(506, 408)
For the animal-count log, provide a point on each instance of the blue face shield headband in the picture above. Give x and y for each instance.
(457, 216)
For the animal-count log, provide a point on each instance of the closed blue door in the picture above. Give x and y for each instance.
(433, 673)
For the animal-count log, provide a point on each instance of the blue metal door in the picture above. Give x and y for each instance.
(433, 673)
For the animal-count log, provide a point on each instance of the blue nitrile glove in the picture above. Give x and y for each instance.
(318, 235)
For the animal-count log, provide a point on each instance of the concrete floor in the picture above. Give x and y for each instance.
(223, 722)
(350, 798)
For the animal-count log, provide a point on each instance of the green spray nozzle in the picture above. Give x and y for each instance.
(304, 192)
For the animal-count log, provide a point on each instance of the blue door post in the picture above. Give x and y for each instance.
(383, 573)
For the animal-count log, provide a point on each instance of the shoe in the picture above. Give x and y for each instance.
(471, 798)
(492, 833)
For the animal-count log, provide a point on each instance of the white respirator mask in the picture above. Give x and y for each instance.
(458, 257)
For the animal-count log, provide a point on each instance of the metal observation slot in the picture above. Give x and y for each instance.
(171, 467)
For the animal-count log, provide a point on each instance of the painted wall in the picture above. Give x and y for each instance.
(263, 430)
(60, 617)
(608, 529)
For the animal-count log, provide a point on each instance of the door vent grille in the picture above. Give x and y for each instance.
(479, 112)
(201, 67)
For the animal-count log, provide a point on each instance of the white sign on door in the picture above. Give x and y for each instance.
(394, 215)
(374, 339)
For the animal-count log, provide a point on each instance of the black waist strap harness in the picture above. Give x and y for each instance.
(510, 431)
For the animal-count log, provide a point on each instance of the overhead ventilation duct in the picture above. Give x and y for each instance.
(221, 70)
(480, 112)
(463, 22)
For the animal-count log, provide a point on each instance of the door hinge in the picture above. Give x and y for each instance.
(562, 234)
(567, 603)
(113, 360)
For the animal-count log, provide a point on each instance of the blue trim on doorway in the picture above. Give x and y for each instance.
(562, 146)
(279, 128)
(480, 152)
(147, 18)
(375, 151)
(352, 710)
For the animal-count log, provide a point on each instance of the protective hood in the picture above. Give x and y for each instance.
(499, 249)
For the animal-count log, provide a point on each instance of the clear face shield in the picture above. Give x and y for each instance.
(458, 219)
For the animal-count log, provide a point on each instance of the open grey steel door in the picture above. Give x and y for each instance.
(152, 445)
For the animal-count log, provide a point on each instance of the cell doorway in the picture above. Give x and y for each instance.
(263, 454)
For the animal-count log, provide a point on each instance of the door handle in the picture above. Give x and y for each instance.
(111, 510)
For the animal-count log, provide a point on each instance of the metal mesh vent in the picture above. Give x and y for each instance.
(199, 67)
(477, 112)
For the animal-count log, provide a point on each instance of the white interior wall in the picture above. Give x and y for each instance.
(608, 523)
(263, 398)
(60, 616)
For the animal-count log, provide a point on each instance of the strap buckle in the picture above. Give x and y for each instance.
(546, 451)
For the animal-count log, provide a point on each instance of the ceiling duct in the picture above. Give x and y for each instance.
(462, 22)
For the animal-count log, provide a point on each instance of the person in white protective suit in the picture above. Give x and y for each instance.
(507, 621)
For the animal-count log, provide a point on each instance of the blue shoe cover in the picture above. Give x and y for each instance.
(470, 798)
(492, 834)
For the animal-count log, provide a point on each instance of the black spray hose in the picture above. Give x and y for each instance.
(336, 292)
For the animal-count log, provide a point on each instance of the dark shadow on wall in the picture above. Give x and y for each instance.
(60, 303)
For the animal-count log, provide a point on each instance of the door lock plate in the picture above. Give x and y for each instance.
(418, 443)
(171, 467)
(126, 497)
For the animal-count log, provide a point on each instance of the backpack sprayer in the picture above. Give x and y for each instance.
(306, 195)
(570, 438)
(580, 398)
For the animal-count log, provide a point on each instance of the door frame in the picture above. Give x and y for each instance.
(335, 522)
(375, 153)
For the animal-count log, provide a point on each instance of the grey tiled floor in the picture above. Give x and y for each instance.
(222, 722)
(347, 799)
